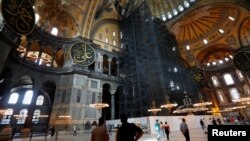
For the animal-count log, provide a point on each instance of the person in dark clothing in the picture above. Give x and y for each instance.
(214, 122)
(184, 129)
(14, 130)
(52, 131)
(219, 121)
(167, 129)
(128, 131)
(202, 124)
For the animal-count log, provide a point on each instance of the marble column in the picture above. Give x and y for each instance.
(109, 60)
(53, 58)
(40, 53)
(39, 56)
(118, 68)
(113, 105)
(27, 49)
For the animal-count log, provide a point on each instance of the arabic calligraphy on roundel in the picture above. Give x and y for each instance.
(20, 15)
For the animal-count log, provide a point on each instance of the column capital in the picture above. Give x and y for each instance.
(112, 92)
(109, 59)
(118, 62)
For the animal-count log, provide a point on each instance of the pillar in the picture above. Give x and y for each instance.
(118, 68)
(27, 49)
(109, 60)
(113, 105)
(40, 52)
(39, 56)
(53, 58)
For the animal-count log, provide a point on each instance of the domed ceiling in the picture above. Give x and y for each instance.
(64, 15)
(210, 26)
(163, 9)
(71, 17)
(245, 32)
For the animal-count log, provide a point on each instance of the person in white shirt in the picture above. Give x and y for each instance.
(74, 129)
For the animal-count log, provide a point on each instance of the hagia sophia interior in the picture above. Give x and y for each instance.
(129, 56)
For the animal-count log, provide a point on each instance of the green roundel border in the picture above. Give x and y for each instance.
(19, 15)
(82, 49)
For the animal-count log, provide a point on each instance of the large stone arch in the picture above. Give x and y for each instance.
(49, 87)
(106, 98)
(213, 53)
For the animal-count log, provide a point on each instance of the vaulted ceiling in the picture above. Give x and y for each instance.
(209, 34)
(205, 33)
(71, 17)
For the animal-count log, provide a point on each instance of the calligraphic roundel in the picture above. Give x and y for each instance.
(82, 54)
(241, 60)
(19, 15)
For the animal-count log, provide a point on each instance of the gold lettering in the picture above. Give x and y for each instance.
(22, 14)
(82, 54)
(24, 17)
(12, 8)
(86, 54)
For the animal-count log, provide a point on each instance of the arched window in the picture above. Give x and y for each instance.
(240, 75)
(246, 90)
(37, 17)
(106, 40)
(105, 64)
(228, 79)
(22, 116)
(7, 116)
(114, 67)
(215, 81)
(54, 31)
(13, 98)
(221, 97)
(114, 42)
(39, 100)
(28, 97)
(234, 94)
(36, 116)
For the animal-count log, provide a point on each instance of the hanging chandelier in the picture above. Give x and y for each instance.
(99, 105)
(243, 100)
(214, 111)
(201, 102)
(154, 110)
(189, 108)
(169, 105)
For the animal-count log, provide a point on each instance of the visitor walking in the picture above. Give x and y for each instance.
(52, 131)
(157, 128)
(167, 129)
(214, 122)
(100, 133)
(202, 124)
(74, 129)
(184, 129)
(162, 129)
